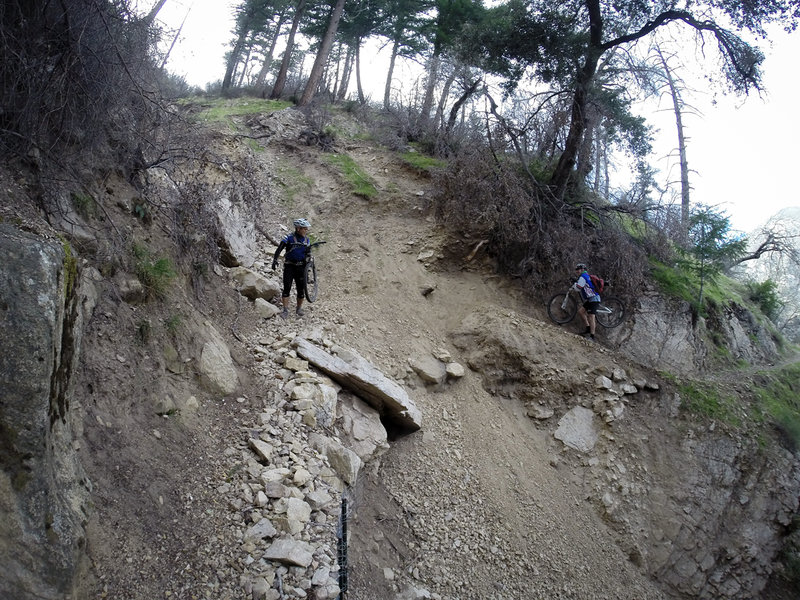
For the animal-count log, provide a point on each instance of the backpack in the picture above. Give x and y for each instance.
(598, 283)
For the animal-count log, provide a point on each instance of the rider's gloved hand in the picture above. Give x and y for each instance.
(274, 264)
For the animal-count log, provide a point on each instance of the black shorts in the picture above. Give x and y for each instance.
(591, 306)
(294, 273)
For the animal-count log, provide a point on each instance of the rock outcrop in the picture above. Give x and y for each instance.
(665, 334)
(43, 493)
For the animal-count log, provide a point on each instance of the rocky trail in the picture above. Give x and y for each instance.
(485, 501)
(475, 505)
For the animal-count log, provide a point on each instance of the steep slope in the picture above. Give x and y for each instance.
(485, 501)
(472, 506)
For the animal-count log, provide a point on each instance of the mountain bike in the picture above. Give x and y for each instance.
(562, 308)
(310, 271)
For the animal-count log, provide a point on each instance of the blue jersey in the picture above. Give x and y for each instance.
(584, 284)
(294, 253)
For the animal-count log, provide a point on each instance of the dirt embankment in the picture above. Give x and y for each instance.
(481, 503)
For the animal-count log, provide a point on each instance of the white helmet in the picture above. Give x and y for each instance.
(301, 223)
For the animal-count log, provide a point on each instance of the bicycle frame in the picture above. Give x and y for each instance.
(610, 312)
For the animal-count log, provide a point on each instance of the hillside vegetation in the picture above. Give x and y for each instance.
(423, 430)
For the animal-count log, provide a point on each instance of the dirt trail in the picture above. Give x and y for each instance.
(475, 505)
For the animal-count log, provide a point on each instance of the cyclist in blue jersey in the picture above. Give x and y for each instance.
(296, 245)
(591, 299)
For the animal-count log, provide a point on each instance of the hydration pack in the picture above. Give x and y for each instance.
(598, 283)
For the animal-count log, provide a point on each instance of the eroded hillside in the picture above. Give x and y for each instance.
(550, 467)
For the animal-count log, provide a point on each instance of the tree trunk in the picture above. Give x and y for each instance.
(360, 89)
(332, 71)
(584, 160)
(262, 74)
(684, 165)
(387, 90)
(443, 100)
(233, 59)
(471, 89)
(433, 77)
(244, 66)
(174, 40)
(280, 81)
(577, 125)
(347, 71)
(324, 49)
(151, 16)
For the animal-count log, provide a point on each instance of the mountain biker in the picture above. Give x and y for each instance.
(591, 299)
(296, 245)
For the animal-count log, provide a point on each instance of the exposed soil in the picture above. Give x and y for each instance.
(475, 505)
(482, 503)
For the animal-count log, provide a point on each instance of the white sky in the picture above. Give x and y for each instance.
(743, 153)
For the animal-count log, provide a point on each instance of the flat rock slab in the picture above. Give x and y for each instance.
(576, 429)
(290, 552)
(362, 378)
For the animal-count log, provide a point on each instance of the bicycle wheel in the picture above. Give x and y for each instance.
(561, 312)
(610, 313)
(312, 286)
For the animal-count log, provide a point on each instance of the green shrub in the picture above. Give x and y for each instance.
(142, 212)
(154, 273)
(172, 324)
(84, 205)
(765, 296)
(143, 329)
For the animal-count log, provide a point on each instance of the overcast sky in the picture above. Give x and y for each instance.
(743, 153)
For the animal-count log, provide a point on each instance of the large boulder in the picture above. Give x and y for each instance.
(363, 431)
(253, 285)
(361, 377)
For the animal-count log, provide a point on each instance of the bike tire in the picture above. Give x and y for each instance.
(562, 315)
(311, 283)
(612, 319)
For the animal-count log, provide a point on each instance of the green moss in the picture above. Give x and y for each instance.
(682, 283)
(674, 282)
(254, 145)
(705, 399)
(422, 162)
(222, 109)
(360, 183)
(778, 394)
(293, 180)
(70, 268)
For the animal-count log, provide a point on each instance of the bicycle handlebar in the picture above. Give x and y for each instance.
(295, 244)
